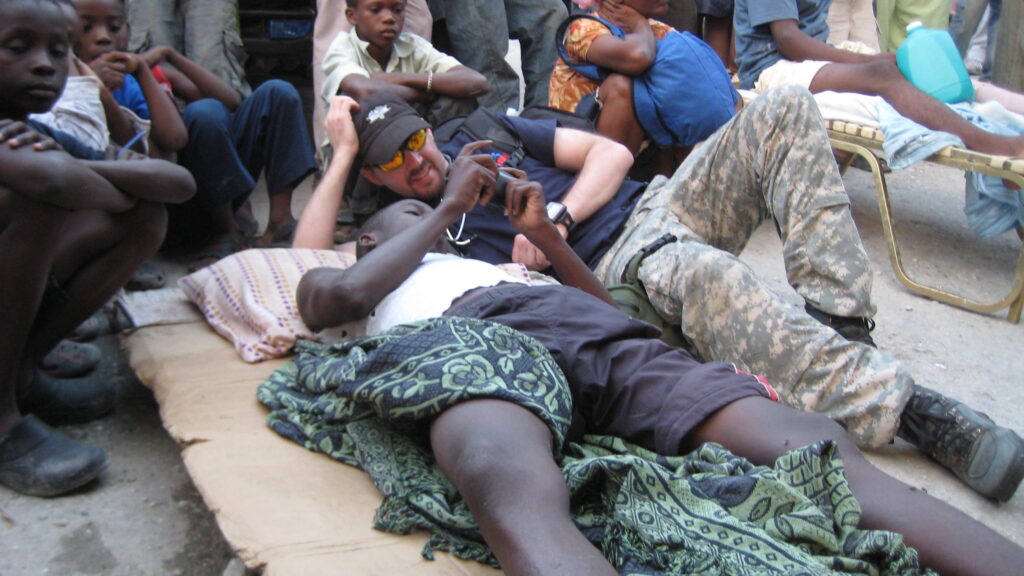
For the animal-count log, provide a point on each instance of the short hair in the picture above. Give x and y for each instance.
(352, 3)
(372, 224)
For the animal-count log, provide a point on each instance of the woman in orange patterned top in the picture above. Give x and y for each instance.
(589, 41)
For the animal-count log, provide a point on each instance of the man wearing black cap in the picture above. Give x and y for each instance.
(773, 159)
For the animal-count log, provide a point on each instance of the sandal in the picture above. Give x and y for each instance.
(149, 276)
(282, 237)
(88, 331)
(39, 461)
(70, 359)
(59, 401)
(222, 247)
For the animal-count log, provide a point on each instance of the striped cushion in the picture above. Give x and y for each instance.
(249, 297)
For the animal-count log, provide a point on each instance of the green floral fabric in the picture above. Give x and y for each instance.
(368, 403)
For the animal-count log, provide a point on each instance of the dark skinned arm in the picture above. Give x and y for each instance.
(330, 297)
(148, 179)
(631, 55)
(459, 82)
(527, 212)
(358, 87)
(189, 80)
(54, 177)
(167, 129)
(121, 129)
(794, 45)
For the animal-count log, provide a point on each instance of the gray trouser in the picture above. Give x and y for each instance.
(773, 161)
(205, 31)
(479, 33)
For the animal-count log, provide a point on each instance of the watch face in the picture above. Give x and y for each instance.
(555, 211)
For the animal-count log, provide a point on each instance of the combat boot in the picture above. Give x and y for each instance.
(987, 457)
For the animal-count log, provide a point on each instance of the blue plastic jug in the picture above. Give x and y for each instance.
(929, 60)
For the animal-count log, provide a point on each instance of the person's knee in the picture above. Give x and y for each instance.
(814, 427)
(616, 89)
(279, 92)
(206, 115)
(792, 94)
(482, 460)
(148, 226)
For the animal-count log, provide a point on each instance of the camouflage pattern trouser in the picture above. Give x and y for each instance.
(772, 161)
(205, 31)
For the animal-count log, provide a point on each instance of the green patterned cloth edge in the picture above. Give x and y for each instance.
(368, 403)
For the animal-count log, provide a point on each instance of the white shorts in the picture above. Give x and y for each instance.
(786, 72)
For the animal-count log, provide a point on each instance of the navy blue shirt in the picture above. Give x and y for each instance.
(69, 143)
(755, 48)
(492, 234)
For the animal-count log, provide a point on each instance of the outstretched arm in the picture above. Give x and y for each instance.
(794, 45)
(316, 224)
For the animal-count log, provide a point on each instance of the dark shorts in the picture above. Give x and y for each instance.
(624, 381)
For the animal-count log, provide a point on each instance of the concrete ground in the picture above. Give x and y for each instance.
(144, 517)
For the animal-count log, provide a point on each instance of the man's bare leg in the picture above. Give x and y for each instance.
(948, 540)
(498, 455)
(882, 78)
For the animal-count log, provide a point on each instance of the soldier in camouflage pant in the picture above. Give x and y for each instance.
(774, 161)
(204, 31)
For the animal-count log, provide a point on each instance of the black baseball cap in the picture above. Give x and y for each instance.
(384, 122)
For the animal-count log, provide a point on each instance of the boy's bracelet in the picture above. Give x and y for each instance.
(430, 81)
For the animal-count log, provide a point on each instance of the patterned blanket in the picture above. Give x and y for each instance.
(368, 403)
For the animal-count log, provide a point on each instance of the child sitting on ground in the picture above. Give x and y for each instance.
(376, 55)
(230, 140)
(74, 227)
(649, 81)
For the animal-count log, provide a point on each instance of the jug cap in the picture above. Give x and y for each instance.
(913, 25)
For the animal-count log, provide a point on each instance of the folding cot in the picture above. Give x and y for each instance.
(866, 142)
